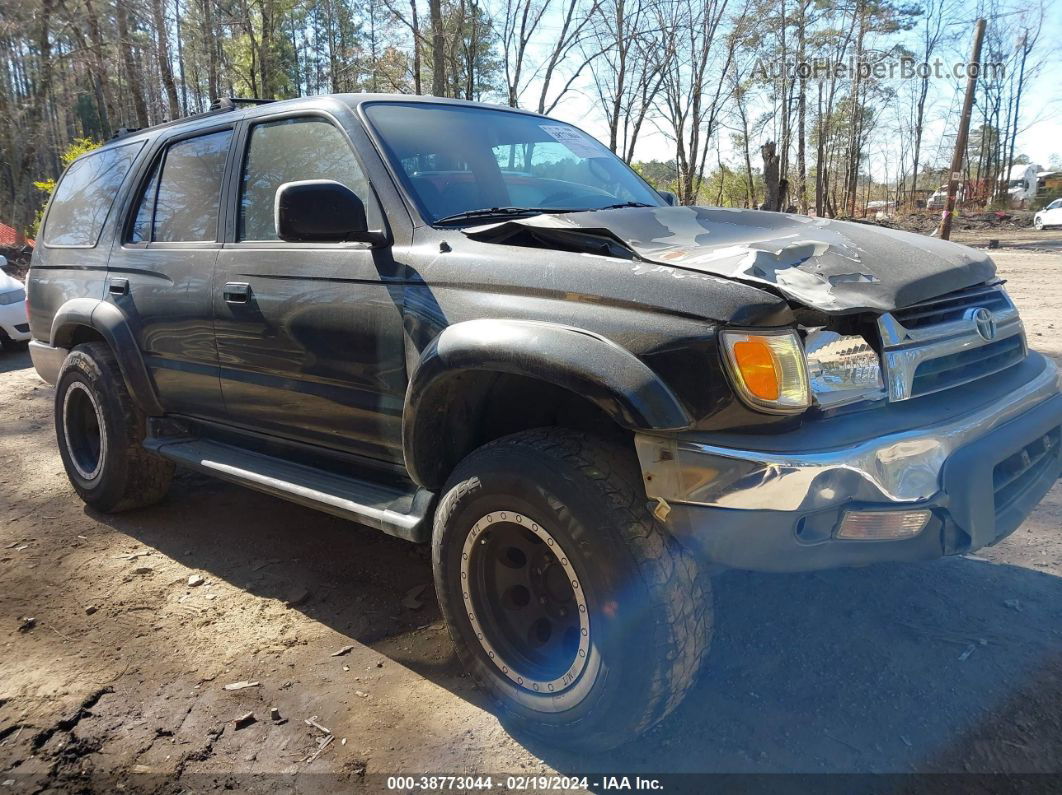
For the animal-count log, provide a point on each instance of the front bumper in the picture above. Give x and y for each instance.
(774, 503)
(13, 322)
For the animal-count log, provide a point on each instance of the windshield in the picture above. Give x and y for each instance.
(456, 160)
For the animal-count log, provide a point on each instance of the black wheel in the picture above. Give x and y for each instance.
(100, 429)
(566, 600)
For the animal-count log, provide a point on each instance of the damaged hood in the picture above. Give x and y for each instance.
(833, 266)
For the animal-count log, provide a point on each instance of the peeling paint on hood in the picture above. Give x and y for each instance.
(834, 266)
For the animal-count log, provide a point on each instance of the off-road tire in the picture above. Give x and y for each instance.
(650, 609)
(126, 475)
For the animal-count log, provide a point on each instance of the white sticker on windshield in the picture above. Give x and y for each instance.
(578, 143)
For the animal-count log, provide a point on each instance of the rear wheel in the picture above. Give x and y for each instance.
(569, 604)
(100, 429)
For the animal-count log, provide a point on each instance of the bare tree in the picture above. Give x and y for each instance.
(132, 74)
(438, 49)
(163, 49)
(524, 41)
(622, 36)
(101, 74)
(673, 67)
(839, 38)
(931, 35)
(577, 19)
(520, 21)
(1026, 44)
(210, 48)
(21, 147)
(740, 104)
(418, 40)
(180, 55)
(697, 56)
(802, 21)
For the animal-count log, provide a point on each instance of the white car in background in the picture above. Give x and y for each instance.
(14, 325)
(1051, 215)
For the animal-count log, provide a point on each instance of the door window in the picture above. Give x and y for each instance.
(141, 232)
(288, 151)
(180, 202)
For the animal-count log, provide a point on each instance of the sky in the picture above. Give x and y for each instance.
(1040, 131)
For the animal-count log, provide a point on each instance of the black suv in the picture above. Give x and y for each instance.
(476, 326)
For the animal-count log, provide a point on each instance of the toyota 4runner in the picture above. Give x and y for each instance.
(477, 327)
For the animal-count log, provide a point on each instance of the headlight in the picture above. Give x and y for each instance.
(12, 297)
(842, 369)
(768, 370)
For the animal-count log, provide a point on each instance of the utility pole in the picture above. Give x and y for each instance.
(973, 68)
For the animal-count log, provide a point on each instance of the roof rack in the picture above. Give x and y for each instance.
(230, 103)
(220, 105)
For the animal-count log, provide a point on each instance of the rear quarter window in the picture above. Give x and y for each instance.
(85, 194)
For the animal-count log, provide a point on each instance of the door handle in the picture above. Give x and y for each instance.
(118, 286)
(236, 292)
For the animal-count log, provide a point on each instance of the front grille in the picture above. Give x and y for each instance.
(961, 368)
(938, 344)
(952, 306)
(1014, 474)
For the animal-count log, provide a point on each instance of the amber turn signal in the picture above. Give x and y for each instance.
(768, 369)
(756, 365)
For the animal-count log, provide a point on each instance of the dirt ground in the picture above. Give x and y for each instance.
(949, 666)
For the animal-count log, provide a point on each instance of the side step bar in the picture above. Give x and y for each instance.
(402, 513)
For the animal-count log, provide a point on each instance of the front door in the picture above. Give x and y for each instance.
(309, 336)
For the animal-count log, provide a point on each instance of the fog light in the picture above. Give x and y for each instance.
(880, 525)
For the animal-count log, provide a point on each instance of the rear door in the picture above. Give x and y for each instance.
(70, 261)
(161, 269)
(309, 335)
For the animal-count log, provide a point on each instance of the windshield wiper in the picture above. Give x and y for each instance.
(621, 206)
(492, 212)
(503, 212)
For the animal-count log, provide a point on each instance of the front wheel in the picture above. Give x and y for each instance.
(1039, 224)
(566, 600)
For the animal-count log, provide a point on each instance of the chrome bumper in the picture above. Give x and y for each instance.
(901, 467)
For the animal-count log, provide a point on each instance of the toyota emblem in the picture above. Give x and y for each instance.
(985, 323)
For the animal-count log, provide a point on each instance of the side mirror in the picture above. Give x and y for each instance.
(669, 197)
(320, 210)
